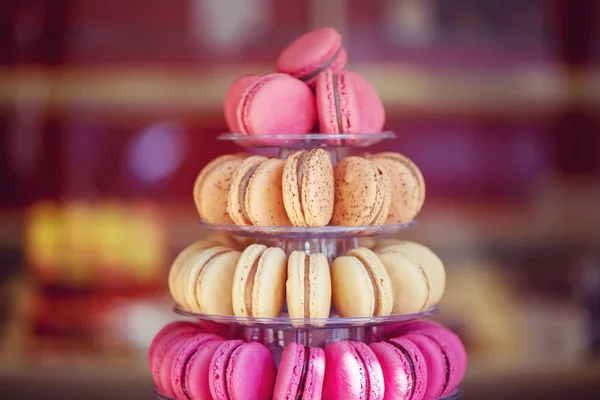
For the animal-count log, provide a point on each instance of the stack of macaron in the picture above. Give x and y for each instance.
(306, 190)
(309, 89)
(400, 277)
(421, 360)
(188, 363)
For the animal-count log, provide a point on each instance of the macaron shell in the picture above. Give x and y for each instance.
(311, 51)
(264, 197)
(295, 284)
(194, 273)
(337, 103)
(409, 283)
(250, 373)
(277, 103)
(313, 387)
(181, 359)
(436, 363)
(454, 350)
(166, 362)
(214, 284)
(397, 373)
(289, 372)
(385, 188)
(357, 192)
(211, 189)
(308, 202)
(232, 100)
(429, 262)
(196, 373)
(350, 369)
(242, 276)
(268, 293)
(380, 278)
(372, 110)
(353, 291)
(218, 369)
(320, 286)
(408, 186)
(237, 190)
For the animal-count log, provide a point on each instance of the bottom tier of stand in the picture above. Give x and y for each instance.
(452, 396)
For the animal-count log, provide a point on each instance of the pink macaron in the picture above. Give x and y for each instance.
(189, 374)
(241, 371)
(163, 341)
(312, 53)
(371, 108)
(301, 373)
(404, 369)
(277, 104)
(337, 103)
(232, 100)
(352, 372)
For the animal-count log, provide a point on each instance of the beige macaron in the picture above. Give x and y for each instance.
(308, 286)
(259, 282)
(408, 186)
(206, 282)
(362, 193)
(361, 285)
(180, 265)
(211, 188)
(406, 261)
(255, 196)
(308, 188)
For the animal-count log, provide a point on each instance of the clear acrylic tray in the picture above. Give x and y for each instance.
(284, 322)
(452, 396)
(307, 140)
(324, 232)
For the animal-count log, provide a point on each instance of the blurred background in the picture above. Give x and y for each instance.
(109, 109)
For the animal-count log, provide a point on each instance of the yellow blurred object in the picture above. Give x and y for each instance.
(480, 296)
(43, 238)
(77, 243)
(146, 253)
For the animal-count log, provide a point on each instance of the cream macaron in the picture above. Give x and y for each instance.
(362, 193)
(259, 282)
(361, 285)
(408, 186)
(255, 195)
(211, 188)
(204, 283)
(308, 188)
(418, 275)
(308, 286)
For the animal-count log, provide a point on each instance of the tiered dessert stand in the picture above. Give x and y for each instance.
(332, 241)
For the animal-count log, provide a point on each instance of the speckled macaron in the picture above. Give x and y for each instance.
(362, 193)
(408, 186)
(308, 188)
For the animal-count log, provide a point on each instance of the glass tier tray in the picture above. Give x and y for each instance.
(323, 232)
(452, 396)
(307, 140)
(284, 322)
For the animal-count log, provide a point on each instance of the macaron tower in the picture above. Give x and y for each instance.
(301, 291)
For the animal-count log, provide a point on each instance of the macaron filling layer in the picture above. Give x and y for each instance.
(306, 286)
(304, 374)
(413, 376)
(322, 68)
(242, 192)
(250, 283)
(377, 306)
(300, 175)
(336, 100)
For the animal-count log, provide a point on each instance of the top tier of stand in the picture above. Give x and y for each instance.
(309, 140)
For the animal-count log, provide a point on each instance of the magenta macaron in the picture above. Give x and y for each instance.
(189, 374)
(241, 371)
(276, 104)
(404, 369)
(312, 53)
(232, 100)
(352, 372)
(301, 372)
(337, 104)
